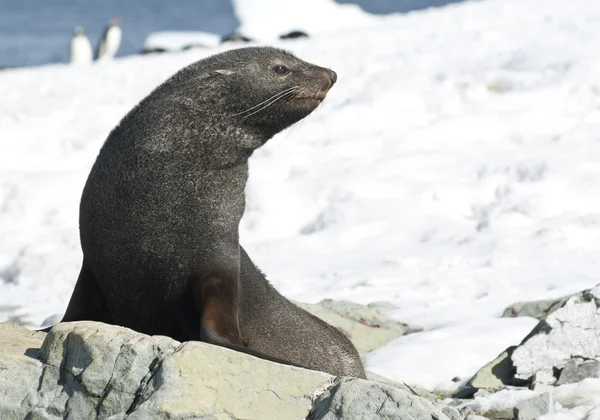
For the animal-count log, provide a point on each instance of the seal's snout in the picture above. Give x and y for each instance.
(332, 77)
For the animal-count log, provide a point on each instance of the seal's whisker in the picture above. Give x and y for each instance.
(294, 96)
(267, 103)
(283, 92)
(270, 103)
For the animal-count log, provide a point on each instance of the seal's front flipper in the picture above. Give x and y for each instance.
(216, 299)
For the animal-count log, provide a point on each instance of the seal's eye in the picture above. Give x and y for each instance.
(281, 70)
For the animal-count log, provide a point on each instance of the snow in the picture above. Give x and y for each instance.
(486, 339)
(452, 171)
(178, 40)
(268, 19)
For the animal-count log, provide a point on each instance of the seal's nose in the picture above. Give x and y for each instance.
(333, 77)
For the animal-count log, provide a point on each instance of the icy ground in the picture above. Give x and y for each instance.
(453, 170)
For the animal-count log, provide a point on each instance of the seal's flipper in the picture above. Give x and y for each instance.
(217, 301)
(87, 301)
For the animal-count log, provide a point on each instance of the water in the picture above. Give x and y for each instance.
(34, 32)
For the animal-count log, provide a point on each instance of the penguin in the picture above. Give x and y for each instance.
(80, 51)
(110, 42)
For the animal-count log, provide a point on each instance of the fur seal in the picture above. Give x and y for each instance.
(160, 212)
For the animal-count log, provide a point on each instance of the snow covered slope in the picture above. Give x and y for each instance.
(453, 170)
(267, 19)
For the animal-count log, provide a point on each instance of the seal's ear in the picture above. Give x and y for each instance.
(223, 72)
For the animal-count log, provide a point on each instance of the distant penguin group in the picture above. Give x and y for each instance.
(80, 51)
(81, 48)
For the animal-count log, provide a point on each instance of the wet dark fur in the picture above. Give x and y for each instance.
(160, 212)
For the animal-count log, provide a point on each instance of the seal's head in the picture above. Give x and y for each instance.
(263, 89)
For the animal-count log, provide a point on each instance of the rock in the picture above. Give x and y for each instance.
(51, 320)
(156, 50)
(500, 414)
(368, 315)
(382, 306)
(20, 367)
(359, 399)
(570, 330)
(235, 37)
(578, 369)
(367, 327)
(93, 370)
(193, 45)
(535, 407)
(537, 309)
(450, 412)
(496, 374)
(540, 309)
(293, 35)
(371, 376)
(114, 371)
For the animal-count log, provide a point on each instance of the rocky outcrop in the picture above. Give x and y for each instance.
(532, 408)
(567, 336)
(563, 349)
(367, 326)
(92, 370)
(563, 345)
(360, 399)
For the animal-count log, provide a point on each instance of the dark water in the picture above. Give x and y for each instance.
(34, 32)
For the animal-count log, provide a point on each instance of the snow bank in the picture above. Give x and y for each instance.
(178, 40)
(267, 19)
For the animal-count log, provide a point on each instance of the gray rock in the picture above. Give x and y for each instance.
(359, 399)
(500, 414)
(367, 327)
(496, 374)
(86, 370)
(370, 315)
(570, 330)
(20, 368)
(450, 412)
(382, 306)
(540, 309)
(51, 320)
(578, 369)
(535, 407)
(371, 376)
